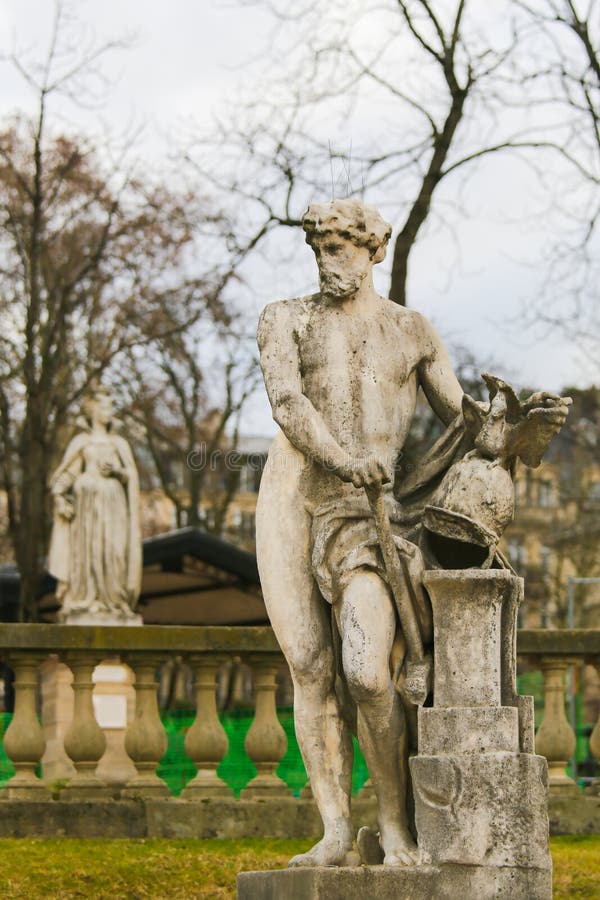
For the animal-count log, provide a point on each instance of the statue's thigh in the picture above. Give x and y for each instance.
(367, 624)
(300, 617)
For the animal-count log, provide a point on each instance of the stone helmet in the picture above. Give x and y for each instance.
(474, 503)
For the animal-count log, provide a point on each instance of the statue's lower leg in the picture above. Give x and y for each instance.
(367, 625)
(382, 737)
(326, 747)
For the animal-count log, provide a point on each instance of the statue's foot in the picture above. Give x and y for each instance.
(399, 849)
(328, 852)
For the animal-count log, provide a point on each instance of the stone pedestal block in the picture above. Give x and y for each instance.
(468, 730)
(467, 615)
(480, 791)
(448, 882)
(83, 617)
(485, 809)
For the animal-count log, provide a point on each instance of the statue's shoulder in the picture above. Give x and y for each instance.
(120, 442)
(408, 318)
(414, 325)
(289, 314)
(115, 437)
(78, 441)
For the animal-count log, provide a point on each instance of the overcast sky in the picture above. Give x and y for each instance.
(188, 57)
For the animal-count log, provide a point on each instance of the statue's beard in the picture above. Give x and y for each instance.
(337, 286)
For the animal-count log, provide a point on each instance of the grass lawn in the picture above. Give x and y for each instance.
(185, 870)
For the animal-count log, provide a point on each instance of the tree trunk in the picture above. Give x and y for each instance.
(193, 511)
(32, 532)
(420, 208)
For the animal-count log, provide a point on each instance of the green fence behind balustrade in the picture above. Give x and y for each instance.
(236, 769)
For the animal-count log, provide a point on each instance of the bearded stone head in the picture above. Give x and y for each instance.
(348, 238)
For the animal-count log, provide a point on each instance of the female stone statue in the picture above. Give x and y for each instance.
(95, 549)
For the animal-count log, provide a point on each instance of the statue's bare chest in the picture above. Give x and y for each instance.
(348, 349)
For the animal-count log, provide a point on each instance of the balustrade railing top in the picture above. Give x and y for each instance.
(160, 638)
(580, 642)
(571, 642)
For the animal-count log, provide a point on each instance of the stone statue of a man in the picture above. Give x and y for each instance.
(342, 369)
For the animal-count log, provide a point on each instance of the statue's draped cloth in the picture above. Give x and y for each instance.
(343, 534)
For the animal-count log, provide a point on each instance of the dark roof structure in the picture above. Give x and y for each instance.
(195, 578)
(189, 577)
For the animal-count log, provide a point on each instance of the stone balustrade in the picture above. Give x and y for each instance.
(25, 647)
(205, 649)
(555, 653)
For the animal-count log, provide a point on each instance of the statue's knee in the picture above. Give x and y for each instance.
(366, 684)
(313, 672)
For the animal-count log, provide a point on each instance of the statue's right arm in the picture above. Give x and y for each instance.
(70, 466)
(292, 410)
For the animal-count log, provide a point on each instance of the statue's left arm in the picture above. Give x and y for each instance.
(436, 376)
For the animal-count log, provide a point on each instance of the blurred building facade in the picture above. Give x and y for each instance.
(556, 531)
(223, 511)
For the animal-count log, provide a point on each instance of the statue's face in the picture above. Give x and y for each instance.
(342, 266)
(102, 409)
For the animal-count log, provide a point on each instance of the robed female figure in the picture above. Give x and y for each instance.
(95, 548)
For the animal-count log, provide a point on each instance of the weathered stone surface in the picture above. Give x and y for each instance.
(488, 809)
(24, 742)
(555, 737)
(467, 607)
(233, 819)
(526, 724)
(225, 818)
(570, 814)
(93, 819)
(383, 883)
(167, 639)
(57, 714)
(534, 642)
(468, 730)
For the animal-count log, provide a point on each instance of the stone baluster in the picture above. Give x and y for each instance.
(266, 741)
(367, 791)
(84, 741)
(24, 741)
(145, 738)
(595, 742)
(555, 738)
(206, 742)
